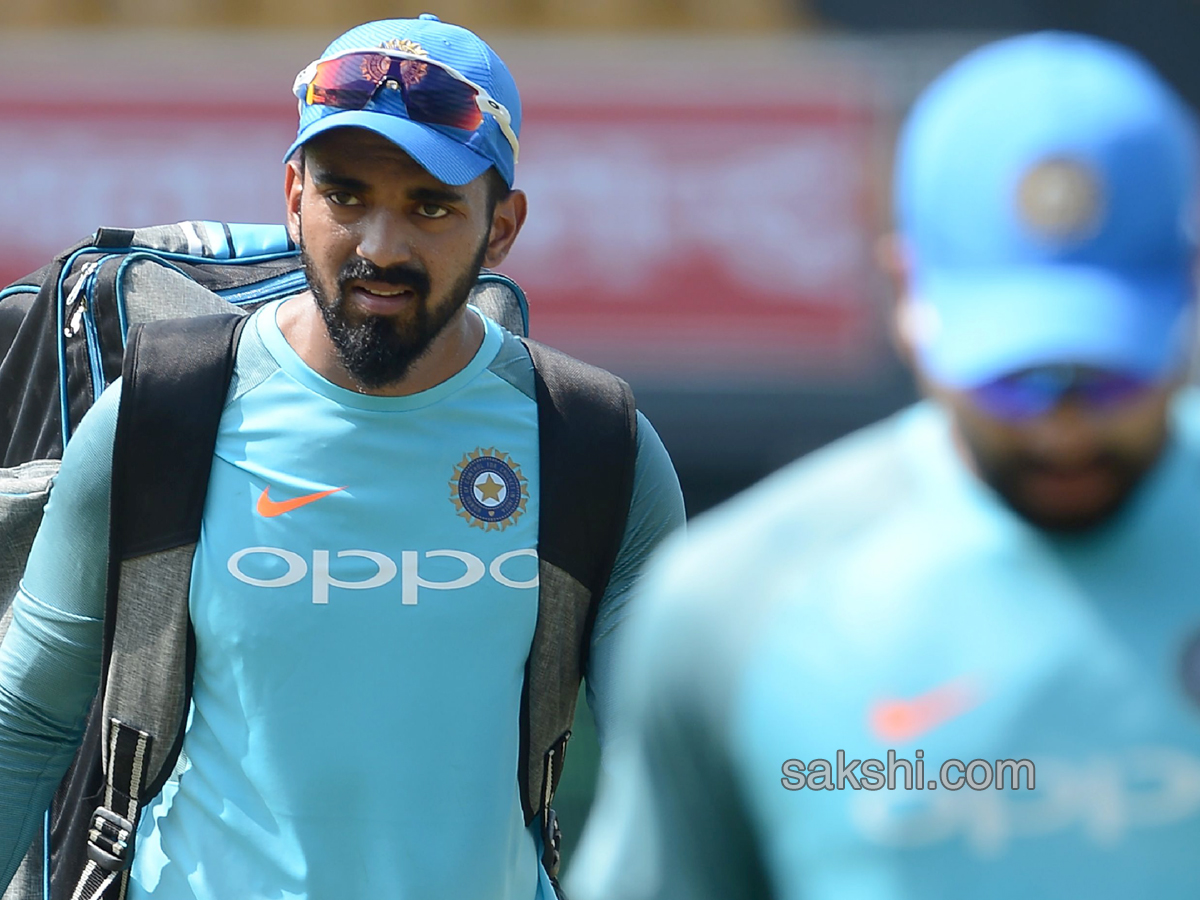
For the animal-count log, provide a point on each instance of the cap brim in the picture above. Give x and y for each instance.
(446, 159)
(977, 326)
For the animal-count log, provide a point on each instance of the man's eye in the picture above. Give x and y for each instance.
(432, 210)
(342, 198)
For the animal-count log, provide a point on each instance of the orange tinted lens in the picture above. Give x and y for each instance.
(429, 93)
(349, 82)
(436, 97)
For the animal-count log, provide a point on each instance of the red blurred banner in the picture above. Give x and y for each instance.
(690, 239)
(704, 238)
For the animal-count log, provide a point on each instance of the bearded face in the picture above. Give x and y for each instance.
(380, 349)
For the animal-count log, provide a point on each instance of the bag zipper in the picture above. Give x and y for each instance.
(81, 317)
(76, 302)
(279, 286)
(92, 333)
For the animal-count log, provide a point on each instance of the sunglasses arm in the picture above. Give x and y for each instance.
(303, 80)
(490, 107)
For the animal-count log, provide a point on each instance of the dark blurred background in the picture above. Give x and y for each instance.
(707, 179)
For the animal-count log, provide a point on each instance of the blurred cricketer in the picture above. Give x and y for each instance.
(957, 654)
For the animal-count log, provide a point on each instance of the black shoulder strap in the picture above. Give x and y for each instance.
(174, 381)
(587, 431)
(175, 378)
(587, 436)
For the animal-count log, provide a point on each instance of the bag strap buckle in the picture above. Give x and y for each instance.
(551, 833)
(110, 840)
(551, 843)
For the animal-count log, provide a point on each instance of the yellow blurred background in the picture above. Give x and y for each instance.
(748, 16)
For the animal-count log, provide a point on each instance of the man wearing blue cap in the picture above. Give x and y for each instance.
(957, 655)
(364, 593)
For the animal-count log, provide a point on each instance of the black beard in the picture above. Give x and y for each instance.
(1004, 476)
(378, 351)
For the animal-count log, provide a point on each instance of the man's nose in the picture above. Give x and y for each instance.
(1065, 435)
(385, 239)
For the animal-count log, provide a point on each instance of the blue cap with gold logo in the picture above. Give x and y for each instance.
(1046, 190)
(434, 89)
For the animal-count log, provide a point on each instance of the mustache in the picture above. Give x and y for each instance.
(402, 275)
(1027, 463)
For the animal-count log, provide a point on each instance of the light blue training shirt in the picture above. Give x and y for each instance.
(364, 594)
(876, 596)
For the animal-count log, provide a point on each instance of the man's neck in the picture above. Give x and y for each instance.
(304, 329)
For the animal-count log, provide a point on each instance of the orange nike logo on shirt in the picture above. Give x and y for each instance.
(269, 508)
(902, 720)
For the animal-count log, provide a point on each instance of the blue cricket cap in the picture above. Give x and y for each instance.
(452, 155)
(1046, 192)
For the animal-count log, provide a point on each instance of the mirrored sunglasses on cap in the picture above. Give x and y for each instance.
(1035, 392)
(433, 93)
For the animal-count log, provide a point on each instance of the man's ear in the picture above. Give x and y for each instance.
(293, 187)
(891, 256)
(507, 219)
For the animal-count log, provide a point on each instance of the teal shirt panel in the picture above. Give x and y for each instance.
(876, 597)
(360, 657)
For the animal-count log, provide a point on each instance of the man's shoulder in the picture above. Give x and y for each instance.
(587, 372)
(831, 497)
(517, 357)
(844, 485)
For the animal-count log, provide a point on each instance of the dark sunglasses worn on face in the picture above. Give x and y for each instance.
(1035, 392)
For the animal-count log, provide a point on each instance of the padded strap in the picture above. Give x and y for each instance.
(174, 381)
(587, 431)
(587, 435)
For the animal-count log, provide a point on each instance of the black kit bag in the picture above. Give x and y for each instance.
(163, 307)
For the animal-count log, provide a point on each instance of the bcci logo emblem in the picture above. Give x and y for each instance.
(411, 73)
(488, 489)
(404, 46)
(1061, 200)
